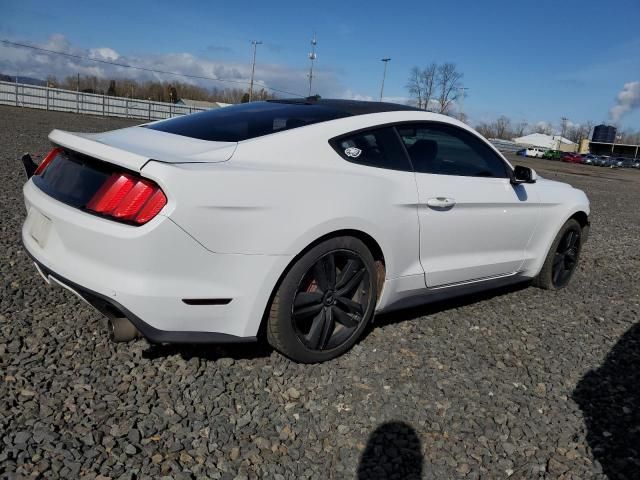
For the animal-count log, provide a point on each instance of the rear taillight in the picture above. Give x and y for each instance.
(47, 160)
(126, 197)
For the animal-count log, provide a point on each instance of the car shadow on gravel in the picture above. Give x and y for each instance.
(609, 398)
(393, 451)
(437, 306)
(239, 351)
(261, 348)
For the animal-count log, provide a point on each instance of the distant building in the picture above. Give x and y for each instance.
(201, 104)
(604, 134)
(550, 142)
(627, 150)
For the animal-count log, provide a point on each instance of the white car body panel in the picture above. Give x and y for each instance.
(150, 269)
(484, 234)
(238, 213)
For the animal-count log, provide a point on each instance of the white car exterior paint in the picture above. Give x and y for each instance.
(239, 213)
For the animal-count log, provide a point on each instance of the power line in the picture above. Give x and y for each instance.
(144, 69)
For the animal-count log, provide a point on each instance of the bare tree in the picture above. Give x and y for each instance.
(461, 116)
(543, 127)
(421, 85)
(448, 82)
(520, 128)
(503, 127)
(587, 127)
(499, 128)
(414, 86)
(486, 130)
(153, 89)
(429, 77)
(52, 81)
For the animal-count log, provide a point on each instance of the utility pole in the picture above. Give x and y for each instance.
(384, 75)
(563, 129)
(255, 44)
(312, 58)
(462, 95)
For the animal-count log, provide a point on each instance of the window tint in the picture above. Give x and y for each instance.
(374, 148)
(448, 150)
(248, 120)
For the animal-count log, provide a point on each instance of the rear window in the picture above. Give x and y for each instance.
(72, 178)
(248, 120)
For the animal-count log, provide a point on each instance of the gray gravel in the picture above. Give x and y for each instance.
(521, 383)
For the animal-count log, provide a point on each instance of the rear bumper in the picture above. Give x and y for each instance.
(146, 273)
(110, 308)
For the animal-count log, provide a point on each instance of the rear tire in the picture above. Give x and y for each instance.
(562, 259)
(324, 302)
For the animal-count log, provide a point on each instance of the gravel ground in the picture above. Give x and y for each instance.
(518, 383)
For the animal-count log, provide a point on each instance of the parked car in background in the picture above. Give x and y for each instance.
(572, 158)
(602, 161)
(534, 152)
(589, 159)
(616, 162)
(522, 152)
(630, 163)
(552, 155)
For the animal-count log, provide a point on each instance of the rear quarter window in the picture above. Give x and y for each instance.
(379, 148)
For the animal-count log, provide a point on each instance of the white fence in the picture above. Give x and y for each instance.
(45, 98)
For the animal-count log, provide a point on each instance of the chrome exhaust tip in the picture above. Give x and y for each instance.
(122, 330)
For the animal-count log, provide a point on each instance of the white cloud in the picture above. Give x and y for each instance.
(38, 64)
(627, 100)
(351, 95)
(104, 53)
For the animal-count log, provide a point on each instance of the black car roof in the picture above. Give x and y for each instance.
(255, 119)
(350, 107)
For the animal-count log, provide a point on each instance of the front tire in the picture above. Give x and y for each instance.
(324, 302)
(562, 258)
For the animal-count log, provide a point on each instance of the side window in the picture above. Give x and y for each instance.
(373, 148)
(449, 150)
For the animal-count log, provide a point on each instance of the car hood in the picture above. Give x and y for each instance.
(133, 147)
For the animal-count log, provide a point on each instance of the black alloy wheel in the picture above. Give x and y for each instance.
(565, 258)
(325, 300)
(562, 258)
(330, 300)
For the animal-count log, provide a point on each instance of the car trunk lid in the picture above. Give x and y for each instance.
(133, 147)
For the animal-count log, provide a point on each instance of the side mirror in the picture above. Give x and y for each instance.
(523, 175)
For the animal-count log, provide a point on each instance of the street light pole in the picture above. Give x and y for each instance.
(462, 95)
(384, 75)
(312, 58)
(255, 44)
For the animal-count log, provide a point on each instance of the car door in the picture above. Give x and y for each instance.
(474, 224)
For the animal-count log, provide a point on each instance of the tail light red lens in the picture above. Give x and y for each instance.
(128, 198)
(47, 160)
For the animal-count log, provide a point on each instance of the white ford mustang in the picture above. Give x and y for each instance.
(297, 218)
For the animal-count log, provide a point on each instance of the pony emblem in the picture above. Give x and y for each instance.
(352, 152)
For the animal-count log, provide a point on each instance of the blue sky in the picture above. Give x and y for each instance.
(534, 60)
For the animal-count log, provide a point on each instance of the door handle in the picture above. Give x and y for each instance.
(441, 202)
